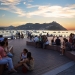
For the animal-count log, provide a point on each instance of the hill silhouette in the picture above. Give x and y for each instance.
(45, 26)
(37, 26)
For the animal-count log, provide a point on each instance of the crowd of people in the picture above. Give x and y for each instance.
(66, 44)
(69, 44)
(43, 41)
(6, 57)
(19, 35)
(26, 58)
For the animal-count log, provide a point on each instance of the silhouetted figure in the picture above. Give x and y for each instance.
(19, 35)
(58, 42)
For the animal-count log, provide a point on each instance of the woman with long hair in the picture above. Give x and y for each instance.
(28, 62)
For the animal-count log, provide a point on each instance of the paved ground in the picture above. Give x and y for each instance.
(45, 60)
(69, 71)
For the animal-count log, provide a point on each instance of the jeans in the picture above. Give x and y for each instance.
(10, 55)
(7, 61)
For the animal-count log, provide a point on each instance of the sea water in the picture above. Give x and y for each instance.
(36, 32)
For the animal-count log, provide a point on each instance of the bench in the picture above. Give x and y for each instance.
(53, 47)
(70, 54)
(50, 47)
(30, 43)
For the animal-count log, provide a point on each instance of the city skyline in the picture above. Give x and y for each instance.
(18, 12)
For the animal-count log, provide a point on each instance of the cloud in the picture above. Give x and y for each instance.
(17, 10)
(54, 11)
(14, 9)
(3, 8)
(30, 0)
(10, 2)
(3, 15)
(41, 10)
(31, 6)
(24, 2)
(10, 5)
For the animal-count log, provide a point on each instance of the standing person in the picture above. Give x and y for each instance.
(63, 46)
(53, 41)
(6, 60)
(22, 36)
(19, 35)
(67, 46)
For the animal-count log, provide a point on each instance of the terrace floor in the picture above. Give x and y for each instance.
(47, 62)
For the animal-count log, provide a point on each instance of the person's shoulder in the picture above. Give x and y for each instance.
(32, 58)
(1, 48)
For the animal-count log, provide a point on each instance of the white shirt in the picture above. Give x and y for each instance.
(47, 42)
(36, 39)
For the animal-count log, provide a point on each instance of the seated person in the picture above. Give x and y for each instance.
(45, 42)
(73, 47)
(24, 54)
(40, 41)
(36, 40)
(6, 60)
(52, 42)
(28, 62)
(67, 46)
(58, 42)
(7, 49)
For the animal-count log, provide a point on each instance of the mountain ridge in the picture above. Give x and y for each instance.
(37, 26)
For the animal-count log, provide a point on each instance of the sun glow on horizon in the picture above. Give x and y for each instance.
(18, 12)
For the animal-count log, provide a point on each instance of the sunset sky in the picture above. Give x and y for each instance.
(18, 12)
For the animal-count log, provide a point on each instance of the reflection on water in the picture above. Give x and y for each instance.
(36, 32)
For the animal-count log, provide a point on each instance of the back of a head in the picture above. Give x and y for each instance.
(66, 40)
(5, 39)
(35, 35)
(26, 50)
(2, 43)
(1, 36)
(29, 55)
(57, 37)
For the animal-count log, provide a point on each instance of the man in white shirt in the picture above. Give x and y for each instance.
(36, 40)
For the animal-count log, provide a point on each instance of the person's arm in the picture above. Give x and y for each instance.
(24, 61)
(21, 55)
(0, 57)
(3, 54)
